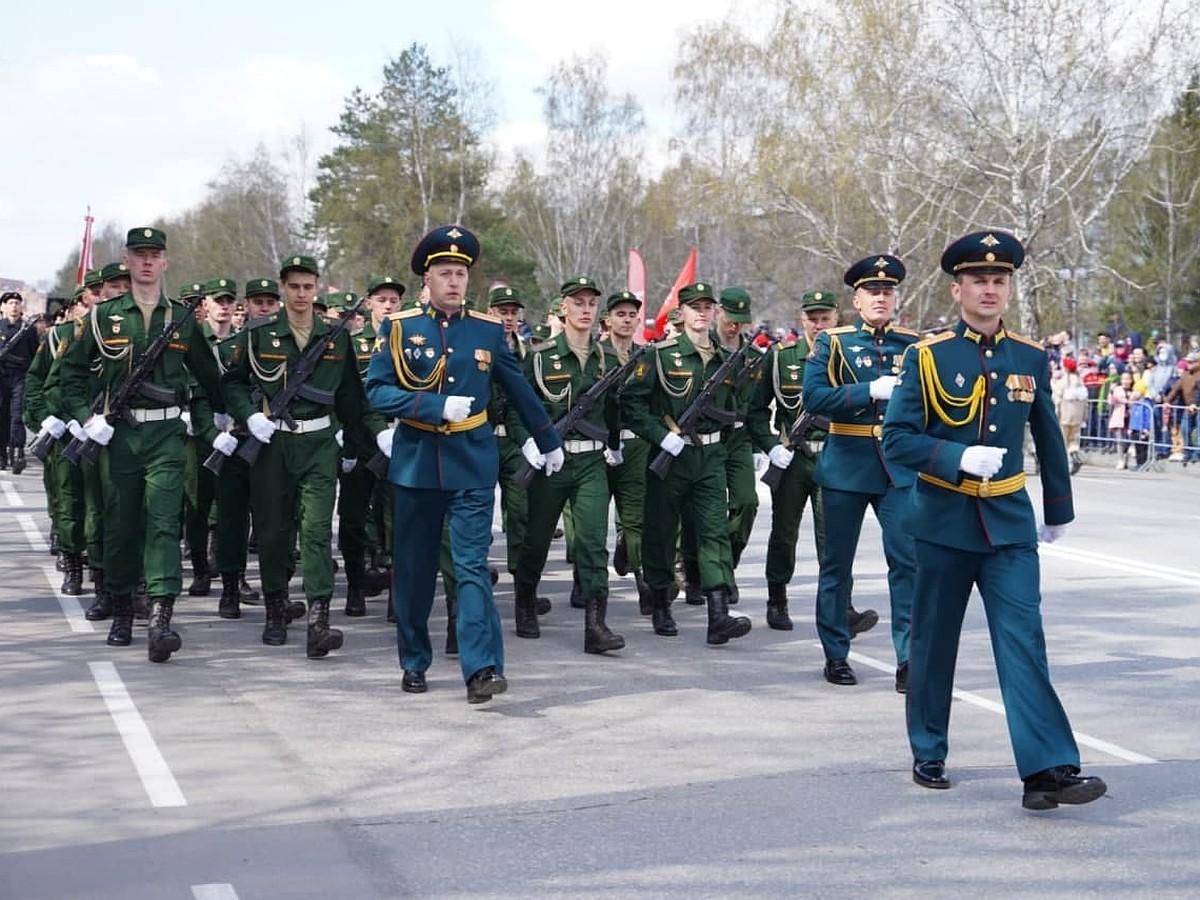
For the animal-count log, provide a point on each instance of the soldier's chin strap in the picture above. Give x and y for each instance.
(939, 400)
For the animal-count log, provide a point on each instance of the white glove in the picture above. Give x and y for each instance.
(225, 443)
(532, 454)
(1048, 534)
(383, 441)
(672, 443)
(554, 460)
(340, 438)
(981, 461)
(261, 427)
(55, 426)
(98, 430)
(615, 457)
(186, 418)
(457, 408)
(781, 457)
(882, 387)
(76, 430)
(348, 464)
(760, 462)
(222, 421)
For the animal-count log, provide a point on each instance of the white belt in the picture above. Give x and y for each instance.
(304, 426)
(713, 437)
(501, 431)
(739, 424)
(814, 447)
(627, 435)
(156, 415)
(582, 446)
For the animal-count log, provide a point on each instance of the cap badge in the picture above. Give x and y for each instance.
(989, 240)
(454, 234)
(148, 233)
(881, 263)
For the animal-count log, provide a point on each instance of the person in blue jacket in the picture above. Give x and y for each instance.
(957, 417)
(433, 370)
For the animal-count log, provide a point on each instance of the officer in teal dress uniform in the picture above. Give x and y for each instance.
(957, 417)
(848, 378)
(433, 371)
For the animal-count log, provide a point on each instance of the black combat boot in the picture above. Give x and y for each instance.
(54, 548)
(72, 584)
(3, 457)
(391, 610)
(645, 595)
(102, 606)
(275, 630)
(596, 636)
(526, 611)
(692, 595)
(161, 640)
(578, 601)
(201, 577)
(321, 638)
(293, 610)
(141, 605)
(378, 576)
(120, 633)
(229, 606)
(247, 594)
(859, 622)
(356, 596)
(777, 611)
(451, 626)
(734, 594)
(721, 625)
(213, 566)
(660, 614)
(18, 460)
(620, 559)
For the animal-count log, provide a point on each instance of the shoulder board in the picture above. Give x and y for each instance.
(786, 345)
(487, 317)
(936, 339)
(539, 346)
(263, 320)
(841, 329)
(1024, 340)
(908, 331)
(663, 345)
(408, 313)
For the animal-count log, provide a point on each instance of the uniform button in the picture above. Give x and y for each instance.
(880, 417)
(449, 349)
(993, 375)
(450, 378)
(445, 324)
(991, 428)
(992, 401)
(987, 352)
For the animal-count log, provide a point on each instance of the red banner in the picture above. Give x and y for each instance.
(687, 275)
(85, 252)
(635, 283)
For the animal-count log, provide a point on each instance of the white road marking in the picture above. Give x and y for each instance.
(214, 892)
(156, 776)
(32, 534)
(1141, 568)
(11, 494)
(998, 708)
(71, 607)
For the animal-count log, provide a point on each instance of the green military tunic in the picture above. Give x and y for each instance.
(627, 485)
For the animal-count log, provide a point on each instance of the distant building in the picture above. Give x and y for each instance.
(35, 301)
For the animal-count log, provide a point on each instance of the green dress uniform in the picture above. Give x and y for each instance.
(141, 468)
(663, 385)
(957, 390)
(560, 377)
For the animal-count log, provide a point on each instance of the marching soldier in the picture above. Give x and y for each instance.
(848, 378)
(141, 464)
(660, 390)
(958, 417)
(18, 343)
(562, 370)
(295, 474)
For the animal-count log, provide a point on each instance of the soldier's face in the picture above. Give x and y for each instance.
(447, 283)
(219, 309)
(581, 308)
(983, 297)
(298, 289)
(726, 327)
(623, 320)
(382, 303)
(697, 316)
(510, 315)
(146, 265)
(115, 287)
(814, 321)
(259, 305)
(92, 296)
(876, 304)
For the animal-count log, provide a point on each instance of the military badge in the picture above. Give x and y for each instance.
(959, 380)
(483, 358)
(417, 340)
(640, 370)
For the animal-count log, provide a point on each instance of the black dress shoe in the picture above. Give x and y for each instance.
(838, 671)
(861, 621)
(413, 682)
(1061, 784)
(931, 774)
(902, 678)
(484, 685)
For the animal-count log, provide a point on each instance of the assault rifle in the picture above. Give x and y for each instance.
(794, 437)
(279, 409)
(6, 347)
(574, 419)
(136, 384)
(703, 406)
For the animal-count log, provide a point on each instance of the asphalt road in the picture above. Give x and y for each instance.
(670, 769)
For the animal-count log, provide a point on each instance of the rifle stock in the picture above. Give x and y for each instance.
(794, 438)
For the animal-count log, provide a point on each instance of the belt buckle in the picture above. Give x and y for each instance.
(876, 431)
(444, 428)
(985, 489)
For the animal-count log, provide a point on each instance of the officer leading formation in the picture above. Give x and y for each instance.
(247, 425)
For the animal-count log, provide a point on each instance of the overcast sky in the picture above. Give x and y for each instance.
(132, 109)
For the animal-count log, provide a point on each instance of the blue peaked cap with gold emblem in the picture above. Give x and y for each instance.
(449, 243)
(983, 251)
(880, 270)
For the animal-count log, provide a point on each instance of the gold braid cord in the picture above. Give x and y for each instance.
(409, 380)
(838, 362)
(936, 397)
(550, 395)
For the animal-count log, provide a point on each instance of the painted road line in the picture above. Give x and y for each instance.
(71, 607)
(1140, 568)
(998, 708)
(156, 776)
(32, 534)
(11, 495)
(214, 892)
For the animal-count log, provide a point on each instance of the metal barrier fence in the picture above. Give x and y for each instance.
(1169, 438)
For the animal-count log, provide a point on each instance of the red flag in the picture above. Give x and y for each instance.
(85, 252)
(636, 284)
(687, 275)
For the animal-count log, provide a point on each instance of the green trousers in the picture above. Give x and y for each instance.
(627, 487)
(233, 515)
(354, 513)
(93, 512)
(200, 491)
(796, 489)
(514, 501)
(65, 497)
(742, 500)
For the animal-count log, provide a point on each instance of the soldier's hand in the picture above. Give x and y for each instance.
(554, 460)
(76, 430)
(55, 426)
(672, 443)
(761, 461)
(98, 430)
(457, 408)
(225, 443)
(1048, 534)
(614, 457)
(261, 427)
(781, 457)
(383, 441)
(532, 454)
(348, 464)
(186, 417)
(981, 461)
(882, 387)
(223, 421)
(340, 437)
